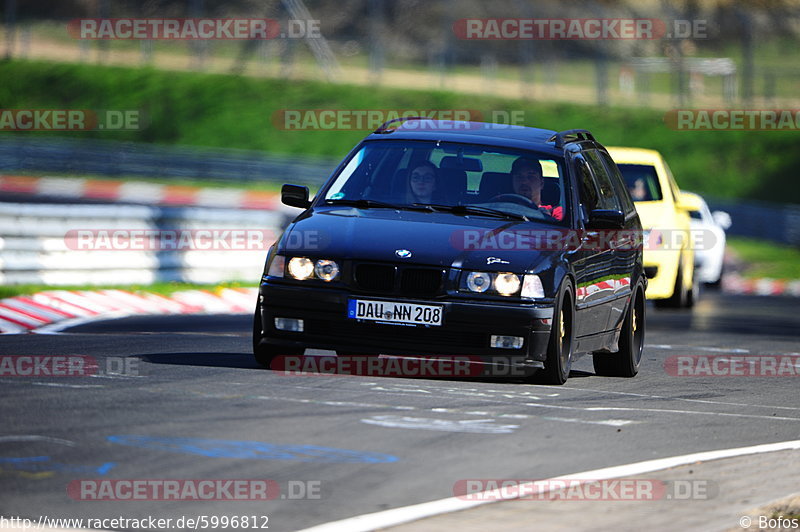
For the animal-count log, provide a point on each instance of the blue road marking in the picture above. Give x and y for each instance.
(255, 450)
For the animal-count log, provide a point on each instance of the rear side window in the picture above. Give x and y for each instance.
(607, 195)
(588, 192)
(617, 182)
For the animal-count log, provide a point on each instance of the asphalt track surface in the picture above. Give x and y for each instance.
(192, 390)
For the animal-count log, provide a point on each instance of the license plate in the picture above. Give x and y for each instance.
(395, 312)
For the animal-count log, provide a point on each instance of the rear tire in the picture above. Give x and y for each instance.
(626, 362)
(264, 353)
(559, 349)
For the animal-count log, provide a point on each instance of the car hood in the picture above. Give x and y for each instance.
(434, 239)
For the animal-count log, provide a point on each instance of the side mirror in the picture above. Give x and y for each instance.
(606, 219)
(722, 218)
(295, 196)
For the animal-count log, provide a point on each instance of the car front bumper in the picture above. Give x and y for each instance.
(466, 329)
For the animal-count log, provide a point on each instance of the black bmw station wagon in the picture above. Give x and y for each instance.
(451, 238)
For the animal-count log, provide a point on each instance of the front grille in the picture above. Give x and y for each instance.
(375, 277)
(421, 281)
(383, 279)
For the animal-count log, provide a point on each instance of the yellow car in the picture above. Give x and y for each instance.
(668, 252)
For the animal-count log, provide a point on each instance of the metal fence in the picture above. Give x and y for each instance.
(765, 221)
(111, 244)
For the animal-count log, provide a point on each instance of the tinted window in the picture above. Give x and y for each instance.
(617, 182)
(607, 195)
(642, 181)
(588, 192)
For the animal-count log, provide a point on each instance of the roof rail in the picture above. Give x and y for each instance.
(383, 129)
(570, 135)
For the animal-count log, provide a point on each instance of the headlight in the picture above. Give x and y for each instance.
(327, 270)
(277, 265)
(532, 287)
(479, 281)
(301, 268)
(506, 284)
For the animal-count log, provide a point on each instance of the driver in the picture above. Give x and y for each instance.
(527, 180)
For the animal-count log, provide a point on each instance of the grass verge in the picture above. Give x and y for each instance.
(766, 259)
(222, 110)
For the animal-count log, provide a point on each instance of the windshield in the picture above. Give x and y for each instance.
(461, 178)
(642, 181)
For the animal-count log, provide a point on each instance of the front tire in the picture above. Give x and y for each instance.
(559, 350)
(694, 293)
(626, 362)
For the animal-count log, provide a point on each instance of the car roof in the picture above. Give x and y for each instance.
(624, 155)
(500, 135)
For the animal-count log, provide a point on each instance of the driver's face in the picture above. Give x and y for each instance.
(527, 181)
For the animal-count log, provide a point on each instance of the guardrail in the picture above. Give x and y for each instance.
(58, 244)
(113, 158)
(773, 222)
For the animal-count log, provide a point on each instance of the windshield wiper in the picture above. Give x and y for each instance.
(368, 203)
(363, 203)
(473, 209)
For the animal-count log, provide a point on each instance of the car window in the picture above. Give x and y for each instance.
(607, 197)
(642, 181)
(586, 185)
(695, 215)
(617, 182)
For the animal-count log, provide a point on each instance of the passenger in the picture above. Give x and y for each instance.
(527, 180)
(422, 182)
(638, 190)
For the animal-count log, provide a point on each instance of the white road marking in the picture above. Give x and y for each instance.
(34, 437)
(473, 426)
(659, 410)
(64, 385)
(396, 516)
(699, 348)
(706, 401)
(609, 422)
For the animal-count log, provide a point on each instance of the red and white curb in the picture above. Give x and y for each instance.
(54, 310)
(139, 192)
(736, 284)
